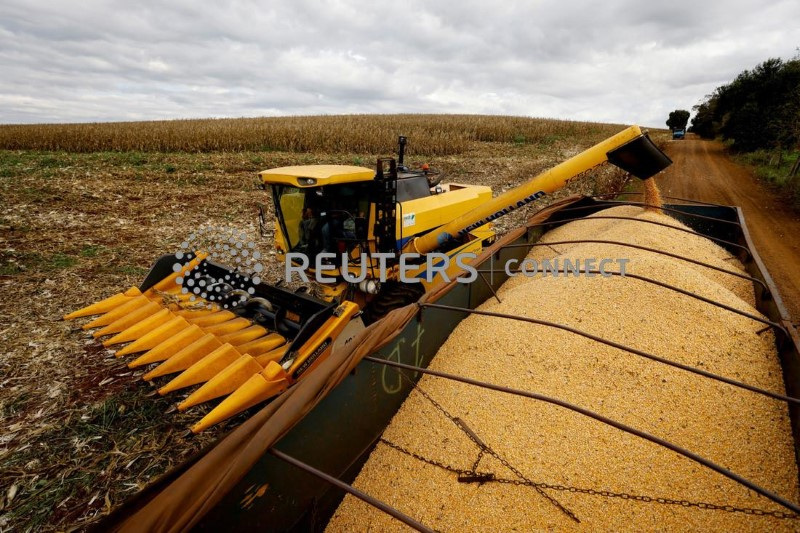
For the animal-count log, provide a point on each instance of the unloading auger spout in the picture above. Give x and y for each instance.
(631, 150)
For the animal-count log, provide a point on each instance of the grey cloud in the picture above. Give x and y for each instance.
(620, 61)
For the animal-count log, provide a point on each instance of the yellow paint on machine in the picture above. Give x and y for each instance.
(275, 378)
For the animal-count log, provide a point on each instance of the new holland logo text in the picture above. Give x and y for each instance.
(504, 211)
(311, 358)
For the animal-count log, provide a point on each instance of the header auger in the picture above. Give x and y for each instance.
(246, 341)
(248, 352)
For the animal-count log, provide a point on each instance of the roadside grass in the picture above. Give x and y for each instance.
(775, 168)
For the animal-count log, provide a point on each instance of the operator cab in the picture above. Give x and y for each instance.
(323, 219)
(321, 208)
(331, 208)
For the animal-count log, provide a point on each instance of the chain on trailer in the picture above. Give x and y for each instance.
(473, 475)
(486, 449)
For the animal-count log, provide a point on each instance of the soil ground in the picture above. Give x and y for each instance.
(703, 171)
(80, 433)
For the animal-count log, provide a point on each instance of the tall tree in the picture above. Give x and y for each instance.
(677, 119)
(703, 119)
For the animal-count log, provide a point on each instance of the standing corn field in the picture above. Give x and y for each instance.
(431, 134)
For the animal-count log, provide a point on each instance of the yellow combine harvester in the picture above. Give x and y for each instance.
(379, 239)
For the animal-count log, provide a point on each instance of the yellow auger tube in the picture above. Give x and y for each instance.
(545, 183)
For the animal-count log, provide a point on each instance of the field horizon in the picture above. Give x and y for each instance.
(440, 134)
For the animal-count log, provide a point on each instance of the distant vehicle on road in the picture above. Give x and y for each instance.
(678, 133)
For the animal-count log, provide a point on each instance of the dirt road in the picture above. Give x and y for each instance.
(702, 171)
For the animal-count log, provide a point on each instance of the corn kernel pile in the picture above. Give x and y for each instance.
(745, 432)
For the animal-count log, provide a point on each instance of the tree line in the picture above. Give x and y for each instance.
(759, 110)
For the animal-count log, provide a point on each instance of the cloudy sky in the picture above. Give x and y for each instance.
(626, 61)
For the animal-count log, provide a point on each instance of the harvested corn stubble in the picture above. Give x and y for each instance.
(743, 431)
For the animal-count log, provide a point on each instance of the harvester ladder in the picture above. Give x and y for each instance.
(386, 206)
